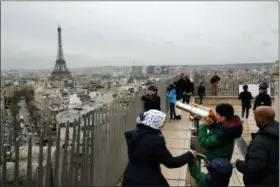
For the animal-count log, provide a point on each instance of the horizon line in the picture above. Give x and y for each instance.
(96, 66)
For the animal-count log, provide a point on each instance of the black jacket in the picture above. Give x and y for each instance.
(188, 87)
(180, 88)
(263, 99)
(245, 98)
(261, 165)
(201, 91)
(181, 83)
(146, 151)
(151, 102)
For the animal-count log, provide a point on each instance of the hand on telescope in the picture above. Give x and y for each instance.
(193, 153)
(206, 121)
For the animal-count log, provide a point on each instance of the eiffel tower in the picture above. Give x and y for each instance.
(60, 71)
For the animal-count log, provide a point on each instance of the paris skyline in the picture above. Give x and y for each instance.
(143, 33)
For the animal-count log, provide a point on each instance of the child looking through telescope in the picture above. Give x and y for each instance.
(224, 127)
(219, 141)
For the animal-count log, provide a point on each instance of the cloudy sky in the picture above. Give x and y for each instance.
(140, 33)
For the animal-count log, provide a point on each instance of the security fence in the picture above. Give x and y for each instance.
(229, 83)
(89, 152)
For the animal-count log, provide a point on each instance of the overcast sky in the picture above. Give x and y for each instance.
(140, 33)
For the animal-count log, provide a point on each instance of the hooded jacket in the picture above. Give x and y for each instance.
(172, 96)
(219, 142)
(263, 99)
(261, 165)
(147, 150)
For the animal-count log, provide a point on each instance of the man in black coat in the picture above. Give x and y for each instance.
(245, 98)
(147, 150)
(261, 165)
(180, 87)
(201, 92)
(151, 100)
(262, 99)
(188, 90)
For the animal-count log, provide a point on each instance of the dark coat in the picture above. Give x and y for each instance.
(261, 165)
(201, 91)
(181, 83)
(263, 99)
(151, 102)
(180, 88)
(146, 151)
(245, 98)
(188, 86)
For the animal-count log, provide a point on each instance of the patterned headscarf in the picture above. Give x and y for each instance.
(152, 118)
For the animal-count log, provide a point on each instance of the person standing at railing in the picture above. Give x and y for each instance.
(180, 87)
(188, 90)
(151, 100)
(263, 98)
(219, 173)
(245, 98)
(147, 150)
(214, 82)
(219, 141)
(172, 100)
(201, 92)
(261, 164)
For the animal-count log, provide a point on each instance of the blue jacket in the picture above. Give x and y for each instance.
(172, 96)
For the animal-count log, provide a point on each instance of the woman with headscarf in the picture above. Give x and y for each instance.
(147, 150)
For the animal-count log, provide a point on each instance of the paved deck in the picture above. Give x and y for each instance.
(177, 137)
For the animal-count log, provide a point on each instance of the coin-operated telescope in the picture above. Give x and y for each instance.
(196, 111)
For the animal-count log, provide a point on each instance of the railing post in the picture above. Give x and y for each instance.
(195, 145)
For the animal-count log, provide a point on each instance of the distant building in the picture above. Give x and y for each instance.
(156, 69)
(150, 69)
(137, 70)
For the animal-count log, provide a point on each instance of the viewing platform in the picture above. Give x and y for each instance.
(92, 151)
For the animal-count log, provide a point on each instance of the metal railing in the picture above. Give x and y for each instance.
(229, 85)
(89, 152)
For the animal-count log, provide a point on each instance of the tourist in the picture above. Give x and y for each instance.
(261, 164)
(214, 82)
(151, 100)
(147, 150)
(188, 90)
(263, 98)
(180, 87)
(219, 172)
(201, 92)
(219, 141)
(245, 98)
(172, 100)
